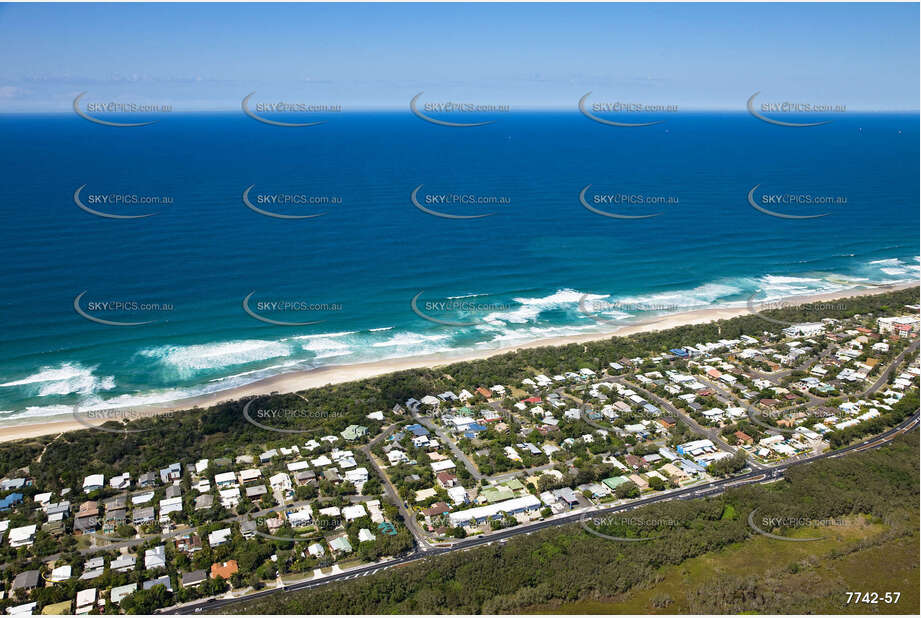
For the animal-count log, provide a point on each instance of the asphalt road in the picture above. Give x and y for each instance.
(712, 433)
(699, 491)
(455, 450)
(391, 492)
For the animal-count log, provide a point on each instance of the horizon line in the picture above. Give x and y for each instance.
(363, 109)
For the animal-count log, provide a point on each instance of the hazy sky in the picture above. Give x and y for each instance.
(208, 56)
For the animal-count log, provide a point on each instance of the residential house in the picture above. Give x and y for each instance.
(743, 438)
(219, 537)
(120, 592)
(27, 580)
(94, 482)
(354, 432)
(143, 515)
(194, 579)
(341, 545)
(123, 564)
(224, 569)
(155, 558)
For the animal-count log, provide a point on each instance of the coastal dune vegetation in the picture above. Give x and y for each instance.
(56, 462)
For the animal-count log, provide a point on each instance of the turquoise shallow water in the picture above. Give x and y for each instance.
(516, 275)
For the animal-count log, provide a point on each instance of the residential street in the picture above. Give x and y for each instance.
(700, 491)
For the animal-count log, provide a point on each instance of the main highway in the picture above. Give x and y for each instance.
(698, 491)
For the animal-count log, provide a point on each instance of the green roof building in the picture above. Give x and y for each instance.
(341, 544)
(497, 494)
(57, 609)
(615, 481)
(353, 432)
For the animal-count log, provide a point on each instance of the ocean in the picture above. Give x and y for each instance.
(338, 287)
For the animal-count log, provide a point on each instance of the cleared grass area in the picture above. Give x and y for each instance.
(763, 575)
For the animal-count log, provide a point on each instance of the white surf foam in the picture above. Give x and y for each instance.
(323, 335)
(409, 340)
(678, 300)
(189, 360)
(465, 296)
(65, 379)
(531, 308)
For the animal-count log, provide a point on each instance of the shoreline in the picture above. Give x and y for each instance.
(337, 374)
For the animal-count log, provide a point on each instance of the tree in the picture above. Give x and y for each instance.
(627, 490)
(729, 465)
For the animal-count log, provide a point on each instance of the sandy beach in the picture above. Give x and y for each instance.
(298, 381)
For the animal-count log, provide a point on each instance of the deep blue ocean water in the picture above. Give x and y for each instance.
(529, 263)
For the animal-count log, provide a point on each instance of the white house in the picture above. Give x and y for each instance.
(155, 557)
(483, 513)
(457, 494)
(219, 537)
(22, 537)
(86, 599)
(353, 511)
(120, 592)
(316, 550)
(94, 482)
(298, 466)
(396, 456)
(805, 329)
(225, 479)
(440, 466)
(280, 482)
(122, 481)
(357, 477)
(230, 498)
(301, 517)
(170, 505)
(365, 535)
